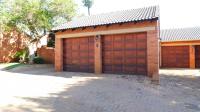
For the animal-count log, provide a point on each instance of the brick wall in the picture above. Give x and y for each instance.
(153, 54)
(47, 53)
(58, 54)
(10, 43)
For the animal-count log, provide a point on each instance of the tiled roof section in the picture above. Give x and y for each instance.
(181, 34)
(141, 14)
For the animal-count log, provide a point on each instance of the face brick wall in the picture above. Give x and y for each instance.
(10, 43)
(58, 54)
(153, 54)
(47, 53)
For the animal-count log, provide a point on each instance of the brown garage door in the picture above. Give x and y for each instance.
(175, 56)
(125, 53)
(197, 56)
(78, 54)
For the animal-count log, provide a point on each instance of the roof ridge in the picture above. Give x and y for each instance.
(117, 11)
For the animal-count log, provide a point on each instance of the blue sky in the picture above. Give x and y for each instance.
(174, 13)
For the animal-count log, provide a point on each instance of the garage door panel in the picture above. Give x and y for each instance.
(129, 61)
(91, 49)
(130, 38)
(67, 47)
(71, 67)
(118, 39)
(84, 47)
(141, 53)
(130, 53)
(75, 54)
(197, 56)
(118, 62)
(108, 61)
(130, 46)
(84, 62)
(75, 61)
(141, 61)
(75, 48)
(141, 45)
(108, 48)
(130, 69)
(91, 61)
(117, 54)
(84, 54)
(108, 53)
(126, 53)
(175, 56)
(108, 68)
(91, 55)
(141, 71)
(118, 69)
(78, 54)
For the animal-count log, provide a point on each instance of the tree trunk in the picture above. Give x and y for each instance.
(88, 11)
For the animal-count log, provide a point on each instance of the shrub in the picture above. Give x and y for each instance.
(38, 60)
(50, 43)
(22, 55)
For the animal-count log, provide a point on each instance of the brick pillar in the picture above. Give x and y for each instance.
(59, 54)
(97, 55)
(153, 54)
(192, 56)
(160, 54)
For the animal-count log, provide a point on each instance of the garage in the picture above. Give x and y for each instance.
(180, 48)
(125, 54)
(78, 54)
(175, 57)
(122, 42)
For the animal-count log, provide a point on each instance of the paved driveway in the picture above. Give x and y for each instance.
(37, 88)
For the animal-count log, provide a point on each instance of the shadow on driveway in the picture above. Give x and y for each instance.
(37, 88)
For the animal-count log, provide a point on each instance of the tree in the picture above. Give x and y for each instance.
(35, 17)
(88, 4)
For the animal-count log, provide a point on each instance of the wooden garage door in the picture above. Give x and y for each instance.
(125, 53)
(78, 54)
(197, 56)
(175, 56)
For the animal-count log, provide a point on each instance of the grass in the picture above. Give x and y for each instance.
(8, 66)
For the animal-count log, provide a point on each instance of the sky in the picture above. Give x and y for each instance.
(173, 13)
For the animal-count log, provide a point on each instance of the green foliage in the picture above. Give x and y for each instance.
(51, 43)
(88, 4)
(35, 17)
(22, 55)
(38, 60)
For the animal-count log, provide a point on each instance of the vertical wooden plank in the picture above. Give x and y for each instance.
(98, 54)
(192, 56)
(113, 56)
(123, 51)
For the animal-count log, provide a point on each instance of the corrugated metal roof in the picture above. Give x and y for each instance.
(180, 34)
(146, 13)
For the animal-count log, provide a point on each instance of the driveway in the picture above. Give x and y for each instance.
(37, 88)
